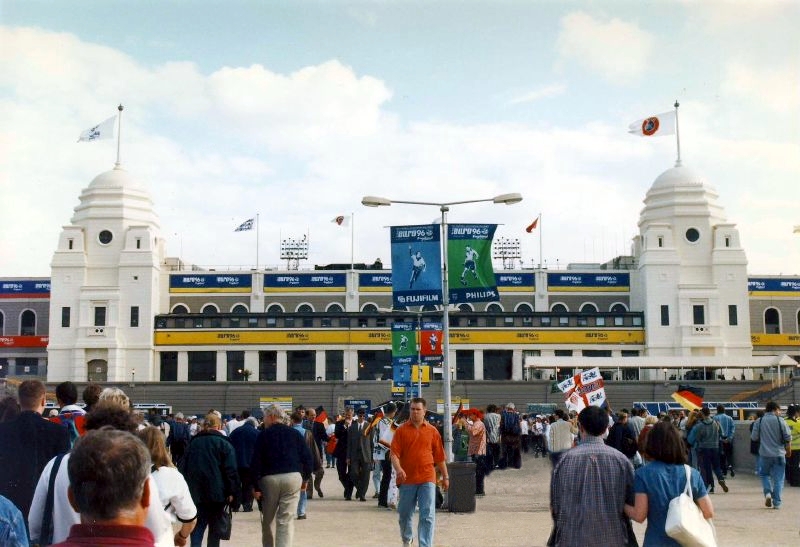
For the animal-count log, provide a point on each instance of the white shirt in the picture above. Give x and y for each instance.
(174, 494)
(64, 516)
(523, 427)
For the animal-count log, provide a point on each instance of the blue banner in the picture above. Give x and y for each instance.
(375, 282)
(302, 282)
(771, 286)
(469, 261)
(515, 282)
(416, 265)
(207, 283)
(24, 288)
(577, 282)
(401, 370)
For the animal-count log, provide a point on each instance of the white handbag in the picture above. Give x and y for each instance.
(685, 523)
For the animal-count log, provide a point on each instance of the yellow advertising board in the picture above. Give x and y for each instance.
(775, 339)
(426, 374)
(383, 337)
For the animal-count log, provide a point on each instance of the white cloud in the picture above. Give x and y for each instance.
(543, 92)
(775, 89)
(616, 50)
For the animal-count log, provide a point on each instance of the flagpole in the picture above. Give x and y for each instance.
(352, 230)
(540, 240)
(257, 234)
(677, 134)
(119, 131)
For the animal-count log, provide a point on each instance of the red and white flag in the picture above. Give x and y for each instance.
(341, 220)
(532, 225)
(584, 389)
(654, 126)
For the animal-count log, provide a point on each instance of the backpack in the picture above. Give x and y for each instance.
(75, 424)
(509, 423)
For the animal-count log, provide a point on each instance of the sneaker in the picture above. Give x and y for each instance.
(768, 500)
(776, 506)
(301, 517)
(733, 473)
(409, 542)
(724, 486)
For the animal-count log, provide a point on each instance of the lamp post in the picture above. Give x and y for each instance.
(665, 375)
(506, 199)
(133, 377)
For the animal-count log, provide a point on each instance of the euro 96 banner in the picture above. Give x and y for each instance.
(469, 262)
(416, 265)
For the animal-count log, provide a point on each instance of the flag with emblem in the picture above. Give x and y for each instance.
(341, 220)
(103, 130)
(246, 225)
(654, 126)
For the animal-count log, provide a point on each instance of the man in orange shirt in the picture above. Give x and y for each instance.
(416, 449)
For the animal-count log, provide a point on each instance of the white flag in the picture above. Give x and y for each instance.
(246, 225)
(104, 130)
(341, 220)
(654, 126)
(797, 229)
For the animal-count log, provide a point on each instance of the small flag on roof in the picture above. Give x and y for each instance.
(689, 397)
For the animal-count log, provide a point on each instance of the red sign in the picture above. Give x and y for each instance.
(24, 341)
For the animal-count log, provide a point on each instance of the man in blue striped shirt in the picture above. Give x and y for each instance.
(727, 431)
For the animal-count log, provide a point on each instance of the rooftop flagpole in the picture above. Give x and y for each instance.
(258, 229)
(677, 134)
(352, 230)
(119, 131)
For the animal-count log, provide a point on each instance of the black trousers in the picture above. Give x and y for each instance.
(344, 476)
(725, 456)
(480, 472)
(246, 481)
(793, 468)
(386, 478)
(360, 471)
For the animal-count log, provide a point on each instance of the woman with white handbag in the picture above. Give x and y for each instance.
(663, 480)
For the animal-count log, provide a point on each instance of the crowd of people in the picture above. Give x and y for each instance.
(92, 472)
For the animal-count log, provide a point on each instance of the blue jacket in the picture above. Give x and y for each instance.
(243, 440)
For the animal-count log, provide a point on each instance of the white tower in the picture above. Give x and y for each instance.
(104, 285)
(692, 282)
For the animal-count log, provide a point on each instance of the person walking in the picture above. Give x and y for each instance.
(209, 467)
(727, 428)
(243, 440)
(661, 481)
(775, 444)
(359, 454)
(416, 452)
(704, 438)
(793, 458)
(280, 461)
(477, 448)
(340, 452)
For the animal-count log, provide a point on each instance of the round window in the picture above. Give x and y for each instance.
(692, 235)
(105, 237)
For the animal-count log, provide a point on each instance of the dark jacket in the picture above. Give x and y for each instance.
(280, 449)
(340, 432)
(209, 467)
(621, 437)
(243, 440)
(27, 443)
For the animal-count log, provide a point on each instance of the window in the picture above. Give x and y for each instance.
(134, 316)
(2, 323)
(522, 308)
(637, 321)
(235, 366)
(494, 308)
(70, 242)
(559, 308)
(105, 237)
(370, 308)
(692, 235)
(100, 316)
(27, 326)
(335, 308)
(180, 308)
(618, 321)
(733, 315)
(699, 314)
(589, 308)
(239, 308)
(305, 308)
(618, 308)
(563, 321)
(138, 242)
(65, 311)
(464, 307)
(209, 309)
(660, 241)
(727, 241)
(274, 309)
(202, 366)
(545, 321)
(664, 316)
(600, 321)
(772, 321)
(169, 366)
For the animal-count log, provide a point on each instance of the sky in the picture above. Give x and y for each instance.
(294, 110)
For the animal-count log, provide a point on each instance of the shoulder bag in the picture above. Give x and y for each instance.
(46, 532)
(222, 524)
(685, 523)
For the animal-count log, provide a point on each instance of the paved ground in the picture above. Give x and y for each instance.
(514, 513)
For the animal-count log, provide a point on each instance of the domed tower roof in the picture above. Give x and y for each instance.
(680, 192)
(116, 195)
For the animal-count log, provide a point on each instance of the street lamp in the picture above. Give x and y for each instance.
(665, 375)
(506, 199)
(345, 375)
(133, 377)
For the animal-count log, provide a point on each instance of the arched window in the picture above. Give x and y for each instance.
(239, 308)
(210, 309)
(589, 308)
(275, 309)
(524, 308)
(335, 308)
(798, 322)
(618, 308)
(180, 308)
(305, 308)
(465, 307)
(494, 307)
(772, 321)
(2, 323)
(428, 307)
(27, 323)
(559, 308)
(369, 308)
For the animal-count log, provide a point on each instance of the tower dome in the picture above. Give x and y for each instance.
(680, 192)
(115, 194)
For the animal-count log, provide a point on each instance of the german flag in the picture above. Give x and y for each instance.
(457, 415)
(377, 418)
(689, 397)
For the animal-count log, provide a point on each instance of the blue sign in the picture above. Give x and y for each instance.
(305, 282)
(357, 404)
(416, 265)
(771, 286)
(401, 370)
(373, 282)
(516, 281)
(202, 283)
(24, 288)
(605, 282)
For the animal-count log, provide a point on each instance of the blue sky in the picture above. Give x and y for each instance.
(295, 109)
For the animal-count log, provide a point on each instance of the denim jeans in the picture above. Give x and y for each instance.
(708, 461)
(302, 503)
(206, 512)
(773, 468)
(412, 495)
